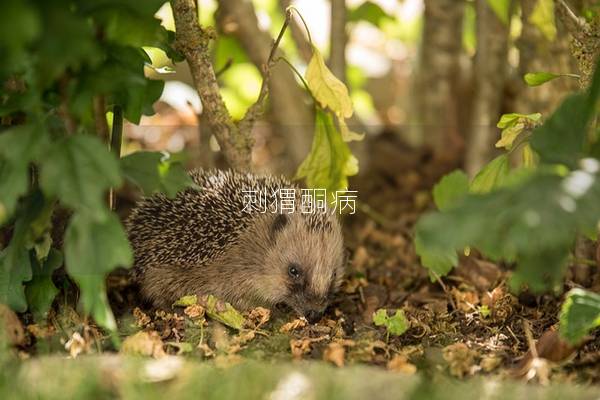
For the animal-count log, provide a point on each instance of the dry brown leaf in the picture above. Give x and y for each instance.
(293, 325)
(460, 359)
(141, 318)
(76, 345)
(335, 353)
(299, 347)
(360, 259)
(399, 363)
(258, 317)
(144, 344)
(490, 362)
(194, 311)
(41, 332)
(11, 326)
(466, 301)
(206, 350)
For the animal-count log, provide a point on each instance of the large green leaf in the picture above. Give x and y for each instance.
(15, 262)
(93, 249)
(330, 161)
(40, 291)
(533, 222)
(492, 175)
(580, 313)
(19, 146)
(562, 138)
(450, 190)
(153, 172)
(79, 170)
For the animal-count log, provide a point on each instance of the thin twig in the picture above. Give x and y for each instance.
(571, 19)
(224, 68)
(256, 109)
(444, 288)
(116, 139)
(529, 336)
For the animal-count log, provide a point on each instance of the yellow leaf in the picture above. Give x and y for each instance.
(529, 159)
(347, 134)
(509, 135)
(326, 88)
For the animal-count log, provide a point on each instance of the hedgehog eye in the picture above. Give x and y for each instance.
(294, 271)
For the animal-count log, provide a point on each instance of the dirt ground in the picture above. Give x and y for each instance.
(465, 324)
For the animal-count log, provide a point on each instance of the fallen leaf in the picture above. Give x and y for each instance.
(76, 345)
(141, 319)
(399, 363)
(490, 362)
(460, 359)
(144, 344)
(335, 353)
(299, 347)
(293, 325)
(222, 312)
(258, 317)
(186, 301)
(11, 326)
(194, 311)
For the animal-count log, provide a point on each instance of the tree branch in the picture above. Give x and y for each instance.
(573, 23)
(298, 34)
(193, 42)
(338, 39)
(258, 108)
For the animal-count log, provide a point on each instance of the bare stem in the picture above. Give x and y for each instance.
(116, 139)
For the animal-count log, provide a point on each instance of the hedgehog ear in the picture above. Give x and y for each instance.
(278, 224)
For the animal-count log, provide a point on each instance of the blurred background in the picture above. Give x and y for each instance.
(426, 77)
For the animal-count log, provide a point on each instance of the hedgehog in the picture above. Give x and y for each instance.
(208, 240)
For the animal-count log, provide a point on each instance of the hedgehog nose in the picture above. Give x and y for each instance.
(314, 316)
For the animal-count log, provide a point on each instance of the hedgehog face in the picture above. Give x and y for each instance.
(306, 262)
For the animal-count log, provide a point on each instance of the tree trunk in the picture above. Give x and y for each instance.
(338, 39)
(490, 78)
(436, 120)
(291, 114)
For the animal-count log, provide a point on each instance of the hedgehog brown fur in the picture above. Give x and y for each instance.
(204, 242)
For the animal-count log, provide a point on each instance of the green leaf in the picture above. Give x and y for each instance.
(330, 161)
(186, 301)
(533, 222)
(92, 249)
(79, 170)
(508, 120)
(562, 138)
(327, 89)
(19, 147)
(395, 325)
(501, 8)
(491, 176)
(543, 18)
(380, 317)
(15, 262)
(369, 12)
(153, 172)
(40, 291)
(439, 260)
(580, 313)
(509, 135)
(223, 312)
(450, 190)
(539, 78)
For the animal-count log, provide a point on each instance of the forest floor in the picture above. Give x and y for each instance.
(466, 325)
